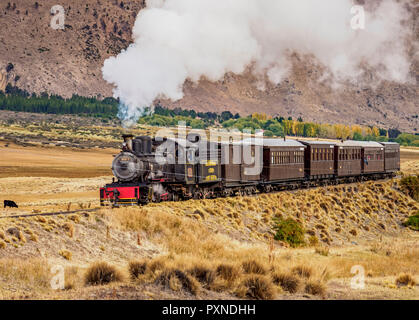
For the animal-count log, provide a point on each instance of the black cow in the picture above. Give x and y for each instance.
(10, 203)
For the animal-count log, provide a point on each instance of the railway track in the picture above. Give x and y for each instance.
(81, 211)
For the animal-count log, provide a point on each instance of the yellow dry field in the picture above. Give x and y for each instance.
(57, 162)
(47, 176)
(222, 248)
(409, 160)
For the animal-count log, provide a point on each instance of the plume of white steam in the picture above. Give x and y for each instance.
(176, 40)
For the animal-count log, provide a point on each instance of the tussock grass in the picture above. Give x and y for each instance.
(178, 280)
(287, 281)
(253, 266)
(302, 271)
(137, 268)
(228, 272)
(69, 228)
(315, 287)
(100, 273)
(405, 279)
(66, 254)
(204, 274)
(73, 278)
(256, 286)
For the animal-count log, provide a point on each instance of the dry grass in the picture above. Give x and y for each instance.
(228, 272)
(322, 250)
(287, 281)
(178, 280)
(253, 266)
(66, 254)
(26, 274)
(69, 228)
(256, 286)
(405, 279)
(316, 288)
(302, 271)
(137, 268)
(73, 278)
(101, 273)
(204, 274)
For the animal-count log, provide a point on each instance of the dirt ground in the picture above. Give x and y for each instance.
(49, 179)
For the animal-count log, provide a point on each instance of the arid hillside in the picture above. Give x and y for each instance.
(69, 61)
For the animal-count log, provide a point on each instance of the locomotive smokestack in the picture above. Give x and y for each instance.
(128, 141)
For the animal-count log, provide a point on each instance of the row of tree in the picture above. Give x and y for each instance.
(280, 126)
(15, 99)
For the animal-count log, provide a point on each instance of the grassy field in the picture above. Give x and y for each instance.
(215, 249)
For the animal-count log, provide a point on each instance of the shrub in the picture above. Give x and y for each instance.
(203, 274)
(137, 268)
(228, 272)
(413, 222)
(177, 280)
(65, 254)
(405, 279)
(353, 232)
(287, 281)
(69, 228)
(290, 231)
(102, 273)
(410, 186)
(257, 287)
(302, 271)
(315, 288)
(252, 266)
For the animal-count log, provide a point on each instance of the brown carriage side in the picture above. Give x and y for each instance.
(319, 159)
(391, 156)
(234, 169)
(283, 161)
(348, 159)
(373, 159)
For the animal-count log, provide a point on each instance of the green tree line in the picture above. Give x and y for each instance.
(15, 99)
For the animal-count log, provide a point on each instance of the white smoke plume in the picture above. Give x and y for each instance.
(176, 40)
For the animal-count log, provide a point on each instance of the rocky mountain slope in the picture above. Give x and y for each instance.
(38, 58)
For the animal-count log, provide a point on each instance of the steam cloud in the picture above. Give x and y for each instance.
(176, 40)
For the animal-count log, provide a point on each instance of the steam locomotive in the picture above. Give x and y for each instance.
(171, 169)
